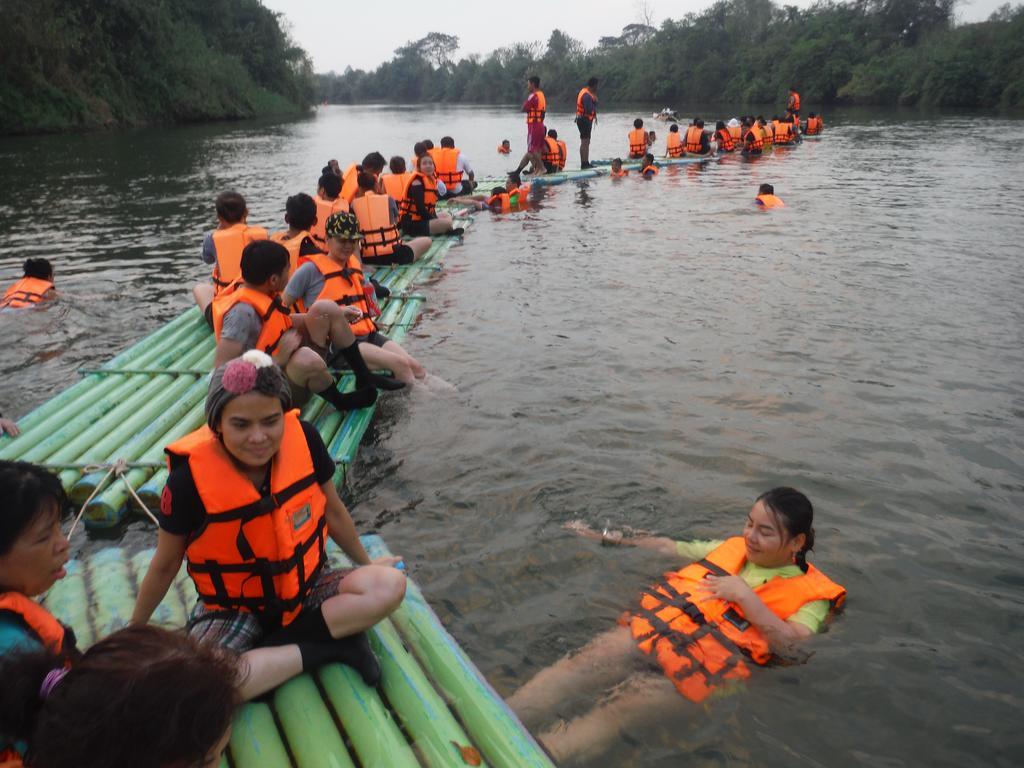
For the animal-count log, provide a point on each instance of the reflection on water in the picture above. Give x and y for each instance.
(654, 354)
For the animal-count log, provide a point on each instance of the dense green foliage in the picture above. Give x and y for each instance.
(79, 63)
(881, 52)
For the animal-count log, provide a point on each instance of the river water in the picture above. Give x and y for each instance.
(651, 354)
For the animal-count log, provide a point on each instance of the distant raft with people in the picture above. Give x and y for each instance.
(433, 707)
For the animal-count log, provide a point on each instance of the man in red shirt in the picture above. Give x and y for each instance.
(535, 108)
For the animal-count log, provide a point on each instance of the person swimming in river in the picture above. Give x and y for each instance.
(617, 171)
(648, 169)
(35, 286)
(741, 603)
(250, 501)
(766, 198)
(505, 148)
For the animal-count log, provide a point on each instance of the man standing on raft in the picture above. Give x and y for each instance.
(535, 108)
(586, 116)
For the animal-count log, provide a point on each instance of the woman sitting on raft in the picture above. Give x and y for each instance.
(741, 602)
(418, 215)
(143, 697)
(250, 501)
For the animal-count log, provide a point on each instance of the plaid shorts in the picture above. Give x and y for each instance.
(240, 631)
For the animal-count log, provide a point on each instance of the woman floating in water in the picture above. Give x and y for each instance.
(741, 603)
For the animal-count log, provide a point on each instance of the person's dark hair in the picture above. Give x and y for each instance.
(326, 169)
(230, 206)
(366, 181)
(673, 128)
(506, 141)
(374, 163)
(38, 268)
(638, 123)
(534, 80)
(775, 118)
(766, 189)
(617, 160)
(397, 164)
(419, 149)
(300, 211)
(791, 509)
(792, 87)
(719, 125)
(649, 158)
(495, 191)
(515, 178)
(748, 121)
(553, 134)
(330, 184)
(428, 144)
(812, 115)
(144, 697)
(760, 119)
(447, 142)
(28, 491)
(262, 259)
(593, 82)
(698, 123)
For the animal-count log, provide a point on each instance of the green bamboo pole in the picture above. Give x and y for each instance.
(308, 726)
(139, 445)
(375, 737)
(112, 589)
(105, 510)
(172, 612)
(255, 742)
(68, 599)
(493, 726)
(151, 490)
(69, 443)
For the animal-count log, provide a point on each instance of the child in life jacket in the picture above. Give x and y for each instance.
(222, 248)
(143, 696)
(648, 169)
(35, 285)
(766, 198)
(33, 552)
(505, 148)
(249, 503)
(337, 276)
(617, 171)
(252, 317)
(739, 604)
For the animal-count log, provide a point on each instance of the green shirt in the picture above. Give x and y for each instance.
(811, 615)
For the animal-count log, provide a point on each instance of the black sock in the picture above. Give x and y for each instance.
(364, 378)
(456, 231)
(363, 397)
(353, 650)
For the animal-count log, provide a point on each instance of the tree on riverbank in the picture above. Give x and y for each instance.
(67, 64)
(879, 52)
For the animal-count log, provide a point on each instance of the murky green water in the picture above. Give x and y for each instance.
(651, 354)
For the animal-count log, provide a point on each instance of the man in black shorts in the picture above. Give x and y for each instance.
(586, 116)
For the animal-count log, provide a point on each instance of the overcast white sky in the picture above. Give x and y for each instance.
(338, 34)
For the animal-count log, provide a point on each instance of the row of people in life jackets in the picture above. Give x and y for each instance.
(34, 286)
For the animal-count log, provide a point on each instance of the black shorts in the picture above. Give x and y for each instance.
(585, 126)
(415, 228)
(208, 314)
(376, 338)
(401, 255)
(552, 168)
(336, 360)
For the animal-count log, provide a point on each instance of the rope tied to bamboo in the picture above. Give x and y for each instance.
(115, 469)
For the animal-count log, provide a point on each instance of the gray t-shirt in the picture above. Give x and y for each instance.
(306, 284)
(242, 324)
(209, 250)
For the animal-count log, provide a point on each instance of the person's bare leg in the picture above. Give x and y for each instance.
(584, 152)
(527, 158)
(440, 225)
(267, 668)
(367, 595)
(417, 370)
(379, 358)
(419, 246)
(642, 699)
(307, 369)
(600, 664)
(203, 294)
(324, 324)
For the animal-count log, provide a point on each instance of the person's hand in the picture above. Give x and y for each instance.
(290, 341)
(388, 561)
(8, 427)
(732, 589)
(580, 528)
(352, 313)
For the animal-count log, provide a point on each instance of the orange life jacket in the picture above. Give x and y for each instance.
(344, 286)
(637, 142)
(373, 212)
(394, 184)
(349, 183)
(793, 104)
(255, 553)
(407, 208)
(500, 202)
(276, 320)
(693, 136)
(758, 143)
(736, 131)
(294, 246)
(503, 150)
(324, 210)
(553, 154)
(47, 630)
(536, 114)
(814, 126)
(446, 164)
(674, 145)
(783, 132)
(702, 641)
(649, 169)
(767, 136)
(725, 141)
(565, 152)
(10, 759)
(619, 173)
(770, 201)
(25, 292)
(228, 244)
(581, 110)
